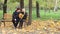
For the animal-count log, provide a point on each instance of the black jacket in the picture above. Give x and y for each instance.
(15, 15)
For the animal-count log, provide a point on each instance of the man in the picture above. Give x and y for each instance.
(24, 17)
(15, 17)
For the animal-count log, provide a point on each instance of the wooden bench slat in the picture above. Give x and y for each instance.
(6, 20)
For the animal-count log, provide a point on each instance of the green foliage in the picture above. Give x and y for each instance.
(42, 3)
(14, 1)
(1, 14)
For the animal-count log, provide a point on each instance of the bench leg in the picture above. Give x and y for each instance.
(0, 24)
(4, 24)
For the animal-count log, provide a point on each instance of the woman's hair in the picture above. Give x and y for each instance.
(18, 9)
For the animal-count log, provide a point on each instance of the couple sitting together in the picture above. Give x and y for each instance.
(19, 17)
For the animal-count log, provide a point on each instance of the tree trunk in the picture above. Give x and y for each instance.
(21, 4)
(4, 9)
(30, 12)
(1, 5)
(45, 8)
(37, 9)
(55, 8)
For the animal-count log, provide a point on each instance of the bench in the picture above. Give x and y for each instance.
(7, 18)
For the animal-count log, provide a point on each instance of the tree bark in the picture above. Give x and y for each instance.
(30, 12)
(1, 5)
(4, 9)
(21, 4)
(55, 8)
(37, 9)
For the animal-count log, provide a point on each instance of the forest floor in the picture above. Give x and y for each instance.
(37, 27)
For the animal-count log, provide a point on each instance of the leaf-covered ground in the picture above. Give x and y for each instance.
(37, 27)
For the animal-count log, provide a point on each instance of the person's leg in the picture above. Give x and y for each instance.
(17, 21)
(24, 23)
(14, 23)
(21, 24)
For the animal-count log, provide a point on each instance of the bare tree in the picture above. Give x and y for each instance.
(37, 9)
(55, 8)
(30, 12)
(45, 8)
(1, 5)
(21, 4)
(4, 9)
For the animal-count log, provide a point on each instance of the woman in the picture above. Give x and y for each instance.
(23, 19)
(15, 17)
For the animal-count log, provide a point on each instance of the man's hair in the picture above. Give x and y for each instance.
(18, 9)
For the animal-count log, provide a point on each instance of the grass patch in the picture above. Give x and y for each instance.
(44, 16)
(1, 14)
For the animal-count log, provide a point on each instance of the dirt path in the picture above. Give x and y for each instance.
(37, 27)
(13, 31)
